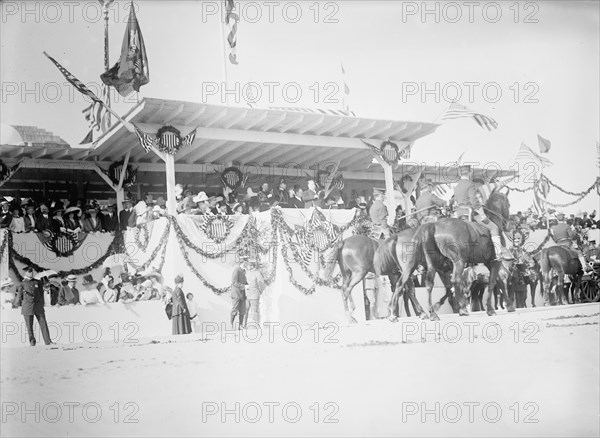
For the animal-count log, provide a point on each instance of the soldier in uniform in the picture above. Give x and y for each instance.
(563, 236)
(428, 203)
(467, 195)
(31, 297)
(378, 213)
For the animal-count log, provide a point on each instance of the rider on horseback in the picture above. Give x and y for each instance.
(563, 236)
(468, 195)
(378, 213)
(428, 203)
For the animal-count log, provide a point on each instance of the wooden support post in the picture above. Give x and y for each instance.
(390, 201)
(170, 173)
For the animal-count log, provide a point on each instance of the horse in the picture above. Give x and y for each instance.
(462, 243)
(562, 261)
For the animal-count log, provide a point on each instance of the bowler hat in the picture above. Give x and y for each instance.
(88, 279)
(179, 279)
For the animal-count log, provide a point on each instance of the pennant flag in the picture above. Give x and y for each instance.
(346, 90)
(80, 86)
(189, 139)
(131, 72)
(458, 111)
(231, 20)
(544, 144)
(146, 140)
(441, 189)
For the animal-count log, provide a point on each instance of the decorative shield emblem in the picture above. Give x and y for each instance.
(320, 239)
(63, 244)
(232, 177)
(390, 152)
(169, 139)
(218, 230)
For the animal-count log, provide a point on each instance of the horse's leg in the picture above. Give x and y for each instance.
(406, 307)
(393, 307)
(561, 287)
(492, 290)
(503, 278)
(410, 295)
(347, 287)
(457, 282)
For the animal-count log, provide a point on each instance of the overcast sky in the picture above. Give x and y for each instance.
(532, 66)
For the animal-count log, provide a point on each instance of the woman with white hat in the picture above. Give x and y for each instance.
(72, 222)
(89, 293)
(7, 294)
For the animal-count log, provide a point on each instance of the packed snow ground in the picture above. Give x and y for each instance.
(534, 372)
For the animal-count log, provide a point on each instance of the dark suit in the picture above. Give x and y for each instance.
(30, 225)
(57, 225)
(296, 203)
(110, 223)
(32, 304)
(308, 196)
(43, 223)
(127, 219)
(180, 313)
(238, 295)
(5, 219)
(90, 227)
(68, 295)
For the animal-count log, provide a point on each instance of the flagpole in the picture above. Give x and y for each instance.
(106, 4)
(224, 51)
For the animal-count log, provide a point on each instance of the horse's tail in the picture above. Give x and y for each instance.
(385, 260)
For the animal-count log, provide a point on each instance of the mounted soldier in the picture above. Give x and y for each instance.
(563, 236)
(469, 199)
(428, 203)
(378, 213)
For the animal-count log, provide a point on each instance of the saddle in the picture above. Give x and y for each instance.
(478, 229)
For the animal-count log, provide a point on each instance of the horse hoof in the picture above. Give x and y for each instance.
(491, 313)
(463, 312)
(434, 317)
(423, 316)
(352, 320)
(393, 319)
(510, 309)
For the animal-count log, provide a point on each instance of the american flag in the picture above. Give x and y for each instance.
(458, 111)
(441, 189)
(231, 20)
(527, 157)
(146, 140)
(80, 86)
(97, 117)
(189, 139)
(346, 90)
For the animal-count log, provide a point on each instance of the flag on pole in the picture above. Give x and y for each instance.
(98, 119)
(598, 152)
(231, 20)
(458, 111)
(544, 144)
(131, 71)
(80, 86)
(146, 140)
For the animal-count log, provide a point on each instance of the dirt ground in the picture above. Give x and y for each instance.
(534, 372)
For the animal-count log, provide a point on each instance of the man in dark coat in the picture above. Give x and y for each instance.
(43, 220)
(180, 312)
(127, 216)
(32, 304)
(69, 294)
(5, 214)
(238, 294)
(110, 221)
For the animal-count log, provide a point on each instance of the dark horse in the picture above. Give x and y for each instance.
(563, 261)
(463, 243)
(358, 255)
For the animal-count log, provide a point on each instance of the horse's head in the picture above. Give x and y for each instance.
(499, 208)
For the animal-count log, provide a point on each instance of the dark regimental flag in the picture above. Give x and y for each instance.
(231, 20)
(458, 111)
(544, 144)
(80, 86)
(146, 140)
(131, 71)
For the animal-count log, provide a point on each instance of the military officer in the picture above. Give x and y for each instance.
(32, 304)
(378, 213)
(563, 235)
(428, 203)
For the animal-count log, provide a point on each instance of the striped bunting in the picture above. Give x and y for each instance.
(527, 155)
(231, 20)
(98, 118)
(458, 111)
(80, 86)
(189, 139)
(146, 140)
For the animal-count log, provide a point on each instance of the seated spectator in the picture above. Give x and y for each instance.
(282, 197)
(58, 223)
(89, 293)
(162, 205)
(127, 217)
(110, 220)
(5, 214)
(238, 209)
(203, 209)
(296, 201)
(72, 222)
(17, 225)
(109, 292)
(223, 208)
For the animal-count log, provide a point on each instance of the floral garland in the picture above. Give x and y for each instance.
(116, 246)
(130, 173)
(207, 227)
(167, 147)
(585, 192)
(162, 245)
(519, 190)
(581, 196)
(181, 236)
(4, 242)
(136, 236)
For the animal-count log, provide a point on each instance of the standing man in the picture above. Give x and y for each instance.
(44, 221)
(428, 203)
(5, 214)
(310, 194)
(238, 294)
(143, 209)
(256, 286)
(32, 304)
(378, 213)
(110, 221)
(127, 217)
(563, 236)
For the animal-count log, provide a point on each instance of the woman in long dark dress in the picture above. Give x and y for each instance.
(181, 315)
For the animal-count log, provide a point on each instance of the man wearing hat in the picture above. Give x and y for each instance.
(110, 221)
(30, 218)
(32, 304)
(5, 214)
(127, 217)
(238, 293)
(69, 294)
(563, 236)
(467, 195)
(378, 213)
(428, 203)
(593, 252)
